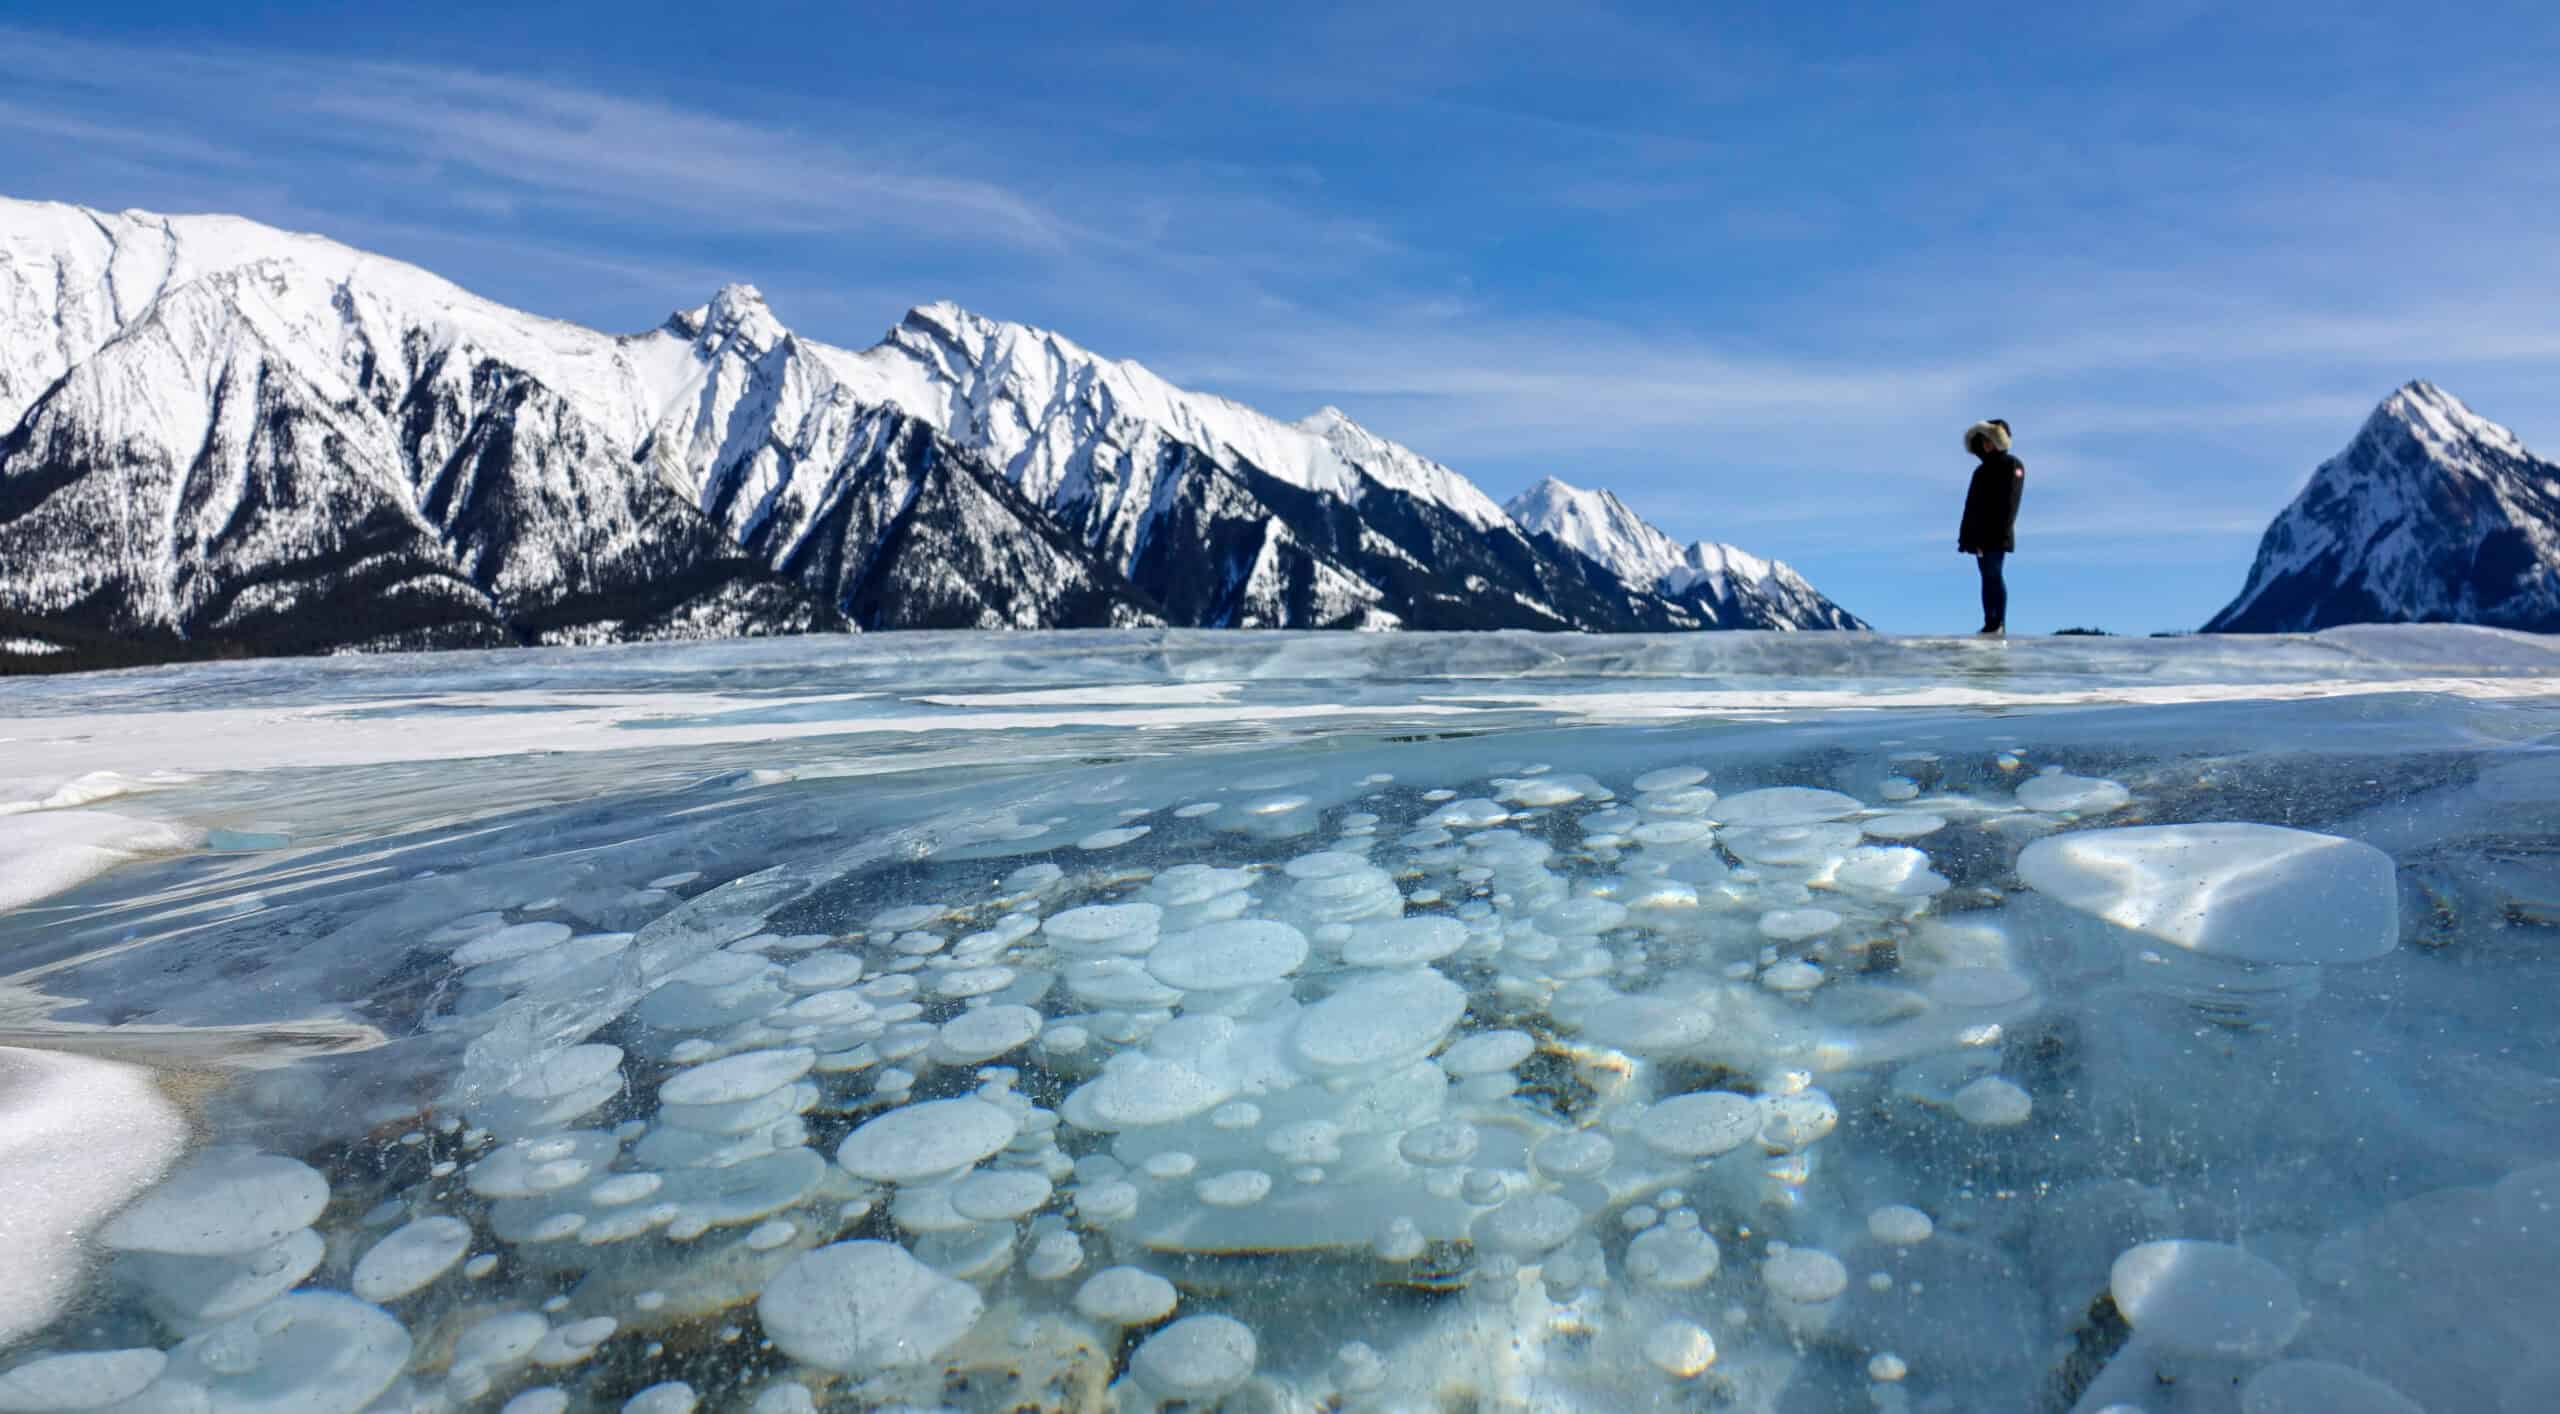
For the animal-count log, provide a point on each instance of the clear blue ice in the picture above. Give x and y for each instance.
(1289, 1022)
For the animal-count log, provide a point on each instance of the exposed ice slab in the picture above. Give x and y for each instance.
(2241, 892)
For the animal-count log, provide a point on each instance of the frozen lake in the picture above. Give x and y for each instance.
(1289, 1022)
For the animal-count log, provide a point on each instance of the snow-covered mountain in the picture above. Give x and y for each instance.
(220, 437)
(227, 438)
(1728, 586)
(2433, 514)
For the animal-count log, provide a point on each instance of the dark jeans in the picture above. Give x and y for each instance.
(1995, 590)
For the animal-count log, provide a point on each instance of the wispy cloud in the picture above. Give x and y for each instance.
(555, 143)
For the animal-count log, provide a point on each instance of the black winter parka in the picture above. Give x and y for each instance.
(1991, 505)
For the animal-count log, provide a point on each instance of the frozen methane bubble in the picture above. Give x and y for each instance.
(906, 916)
(1793, 845)
(2079, 795)
(1379, 1022)
(1007, 1193)
(507, 944)
(1197, 1358)
(1125, 1296)
(1673, 1258)
(1236, 1188)
(227, 1200)
(313, 1352)
(1794, 975)
(194, 1291)
(89, 1380)
(737, 1078)
(1670, 778)
(1803, 1275)
(1127, 928)
(499, 1340)
(1578, 1153)
(1485, 1052)
(1897, 1225)
(1229, 955)
(669, 1397)
(1701, 1125)
(1404, 942)
(1795, 925)
(1687, 801)
(1528, 1225)
(1902, 825)
(1439, 1144)
(1582, 917)
(2319, 1387)
(1790, 1122)
(860, 1307)
(2237, 892)
(823, 972)
(2206, 1298)
(1135, 1091)
(529, 1168)
(1894, 871)
(1680, 1348)
(1786, 805)
(922, 1141)
(410, 1257)
(1993, 1102)
(1054, 1254)
(1649, 1024)
(984, 1034)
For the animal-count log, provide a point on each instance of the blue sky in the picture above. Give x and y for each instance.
(1751, 267)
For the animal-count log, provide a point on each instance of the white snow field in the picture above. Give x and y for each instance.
(1289, 1022)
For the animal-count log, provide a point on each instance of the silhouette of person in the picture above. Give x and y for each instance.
(1990, 529)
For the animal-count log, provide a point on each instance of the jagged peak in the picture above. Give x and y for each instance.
(2439, 421)
(737, 300)
(737, 314)
(1555, 495)
(979, 336)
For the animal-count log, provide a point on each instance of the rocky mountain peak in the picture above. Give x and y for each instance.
(2433, 513)
(736, 315)
(2439, 422)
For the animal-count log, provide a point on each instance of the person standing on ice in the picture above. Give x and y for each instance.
(1990, 529)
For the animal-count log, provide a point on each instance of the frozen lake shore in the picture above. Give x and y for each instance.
(1288, 1021)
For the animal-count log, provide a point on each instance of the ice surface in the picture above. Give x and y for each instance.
(1534, 1022)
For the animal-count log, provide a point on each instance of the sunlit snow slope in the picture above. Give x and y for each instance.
(1729, 586)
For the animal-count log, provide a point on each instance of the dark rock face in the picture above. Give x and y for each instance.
(2433, 514)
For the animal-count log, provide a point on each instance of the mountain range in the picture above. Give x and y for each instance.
(223, 438)
(2433, 514)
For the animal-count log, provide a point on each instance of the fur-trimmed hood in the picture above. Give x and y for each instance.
(1994, 432)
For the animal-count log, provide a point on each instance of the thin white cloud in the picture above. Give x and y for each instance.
(559, 143)
(32, 124)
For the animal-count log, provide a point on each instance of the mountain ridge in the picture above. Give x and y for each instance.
(505, 477)
(1723, 581)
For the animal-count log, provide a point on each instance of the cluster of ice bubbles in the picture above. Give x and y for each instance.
(1561, 1066)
